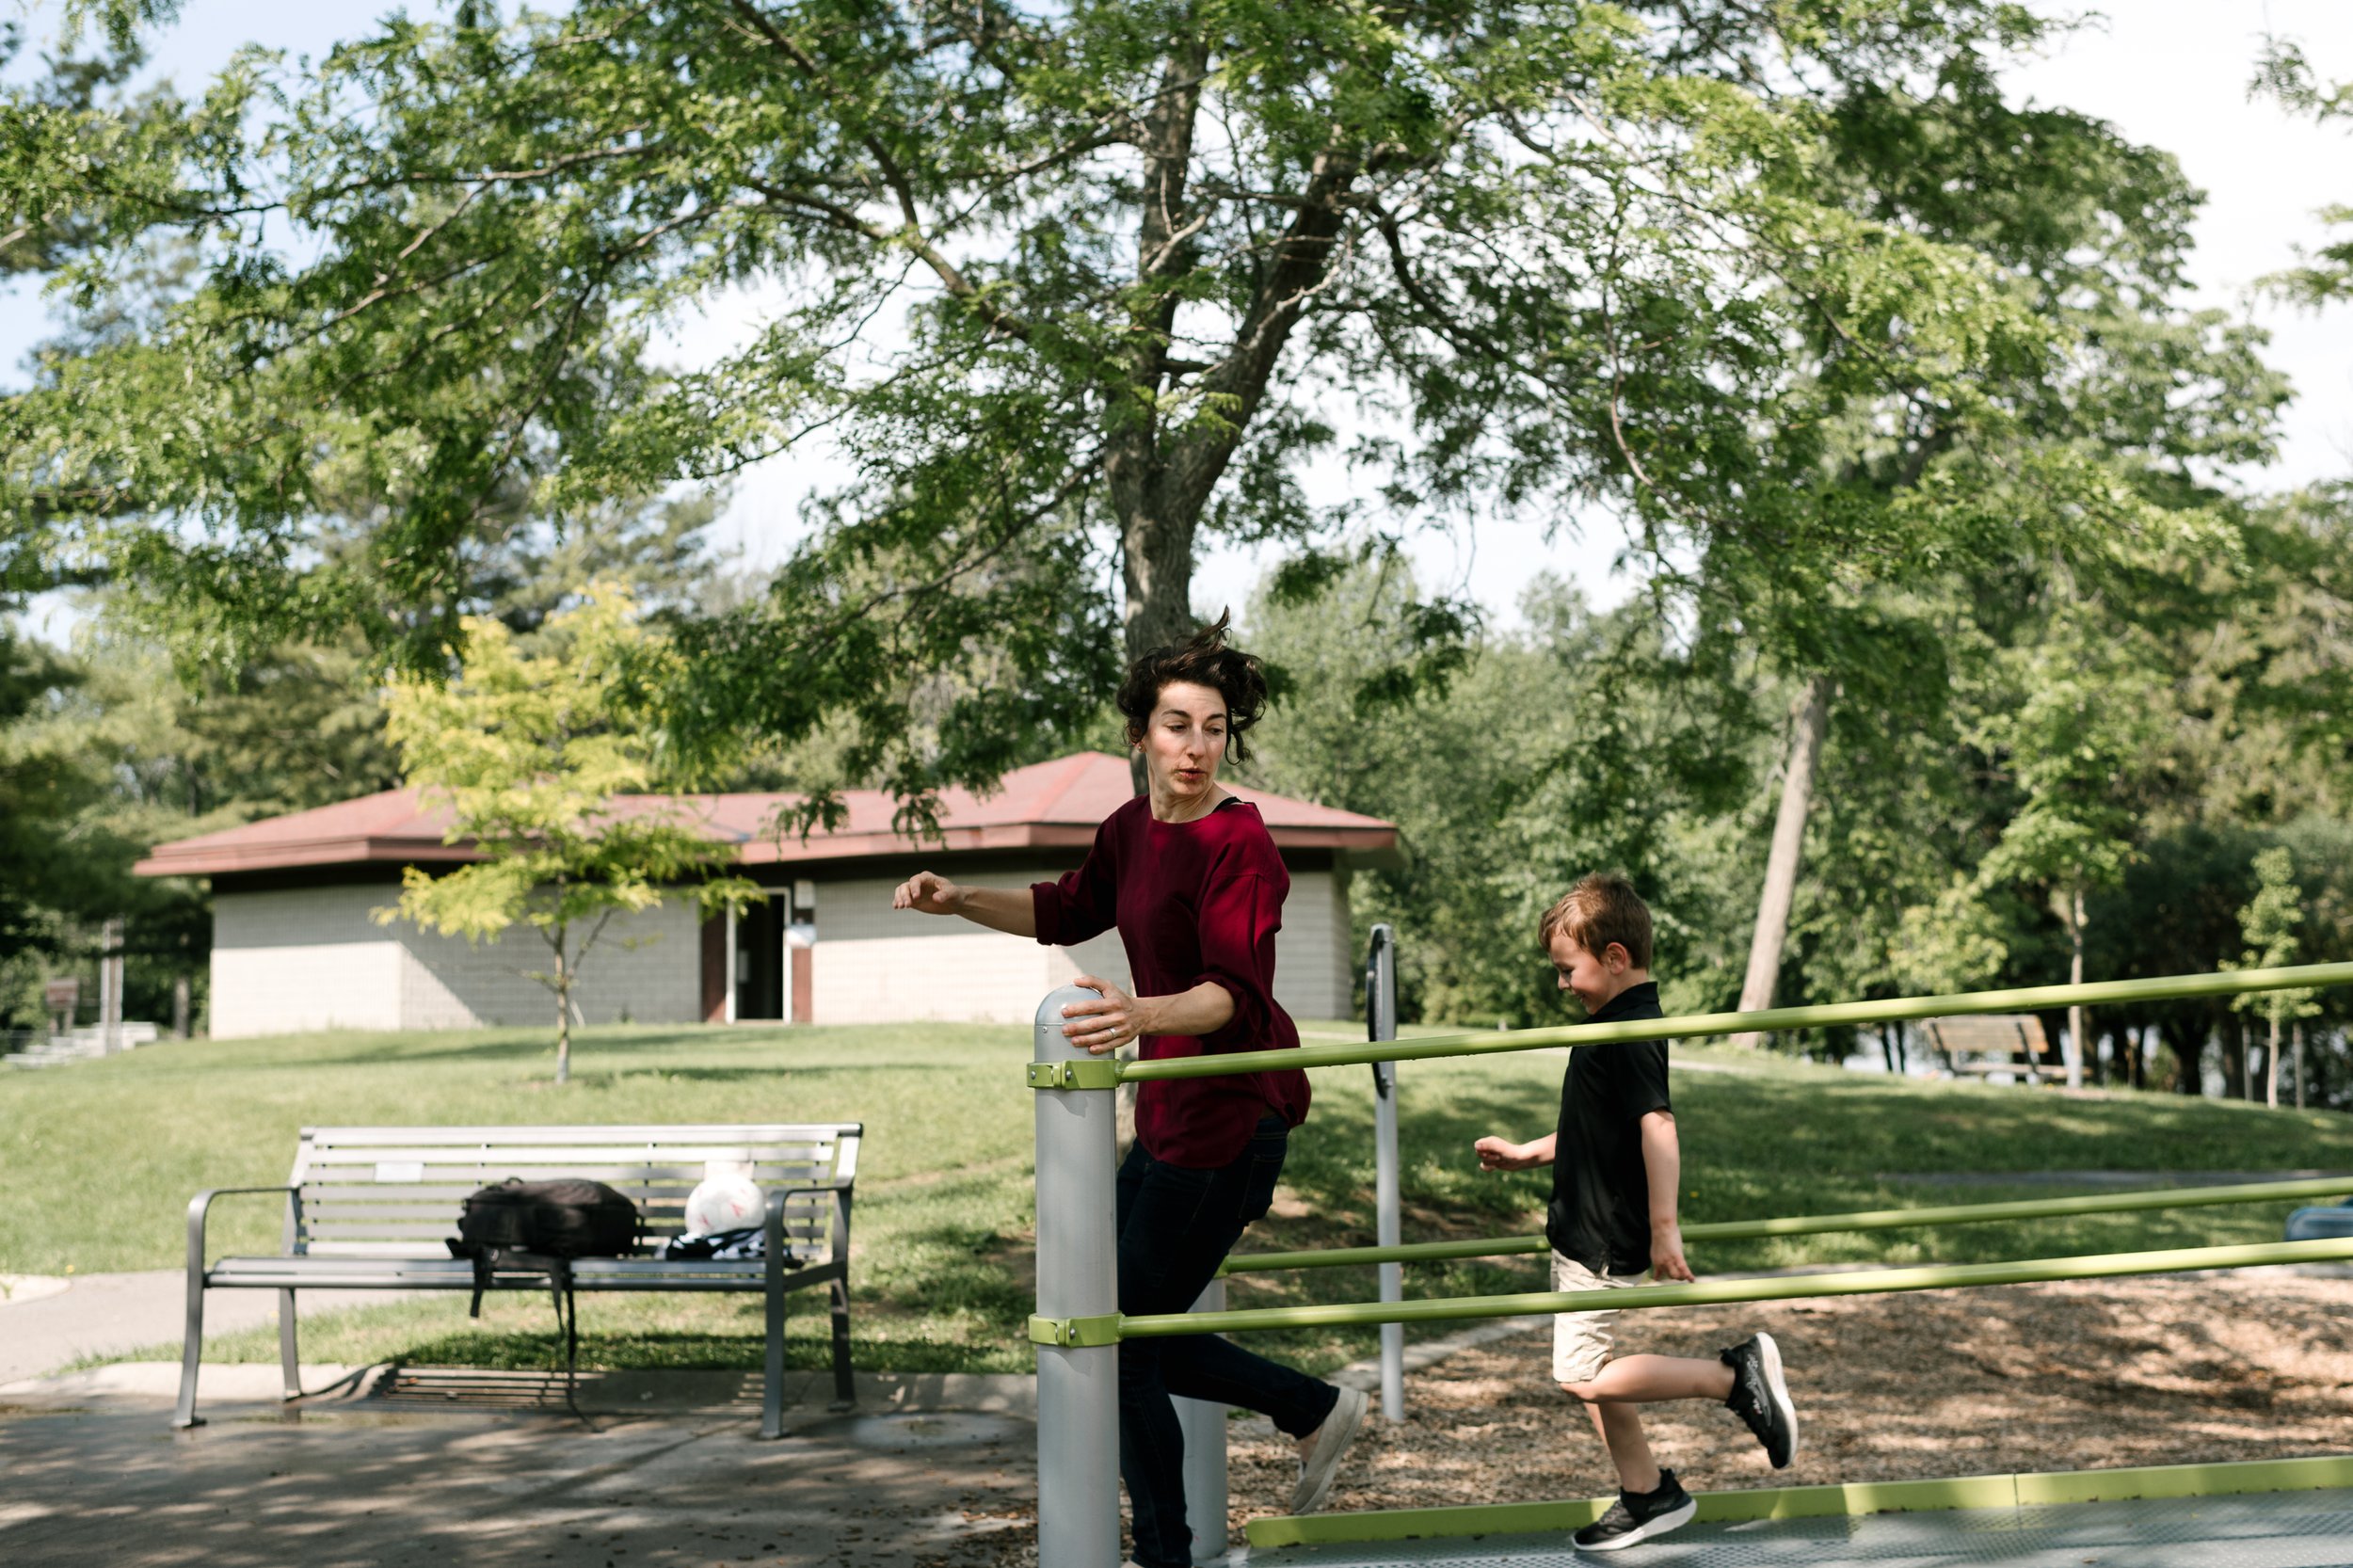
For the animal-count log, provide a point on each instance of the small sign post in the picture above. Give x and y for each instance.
(61, 996)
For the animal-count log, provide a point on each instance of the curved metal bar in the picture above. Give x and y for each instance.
(2097, 993)
(1862, 1282)
(1816, 1224)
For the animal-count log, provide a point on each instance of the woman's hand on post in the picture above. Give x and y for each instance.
(928, 893)
(1103, 1026)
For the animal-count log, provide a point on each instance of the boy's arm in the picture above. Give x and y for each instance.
(1501, 1153)
(1662, 1164)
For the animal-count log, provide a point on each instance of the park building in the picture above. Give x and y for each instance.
(297, 946)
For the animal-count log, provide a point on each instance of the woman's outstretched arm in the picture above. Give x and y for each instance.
(1008, 909)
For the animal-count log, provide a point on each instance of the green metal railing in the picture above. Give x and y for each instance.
(1720, 1292)
(1697, 1026)
(1076, 1331)
(1817, 1225)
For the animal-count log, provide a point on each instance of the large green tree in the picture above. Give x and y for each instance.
(41, 793)
(1986, 483)
(1577, 741)
(1072, 289)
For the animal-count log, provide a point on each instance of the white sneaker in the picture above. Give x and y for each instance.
(1321, 1464)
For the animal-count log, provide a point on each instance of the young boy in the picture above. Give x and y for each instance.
(1615, 1166)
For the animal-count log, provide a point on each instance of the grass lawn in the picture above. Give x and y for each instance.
(98, 1162)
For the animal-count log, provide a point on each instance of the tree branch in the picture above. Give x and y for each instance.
(901, 187)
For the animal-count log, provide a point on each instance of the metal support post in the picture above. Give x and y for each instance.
(1381, 1024)
(1078, 1385)
(1204, 1427)
(110, 987)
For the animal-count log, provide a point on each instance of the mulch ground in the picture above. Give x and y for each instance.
(1958, 1383)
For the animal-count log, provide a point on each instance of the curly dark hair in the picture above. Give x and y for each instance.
(1201, 660)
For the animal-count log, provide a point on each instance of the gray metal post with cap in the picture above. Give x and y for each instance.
(1078, 1382)
(1204, 1427)
(1381, 1024)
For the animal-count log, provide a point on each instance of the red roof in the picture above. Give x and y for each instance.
(1054, 805)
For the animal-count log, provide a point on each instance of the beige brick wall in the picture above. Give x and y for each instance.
(1313, 965)
(878, 964)
(644, 968)
(303, 958)
(311, 958)
(875, 965)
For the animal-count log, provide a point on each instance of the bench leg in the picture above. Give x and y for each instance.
(844, 1391)
(191, 1351)
(289, 1362)
(772, 1390)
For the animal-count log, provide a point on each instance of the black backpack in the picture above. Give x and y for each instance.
(542, 1225)
(552, 1219)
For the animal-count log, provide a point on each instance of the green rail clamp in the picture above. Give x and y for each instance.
(1100, 1330)
(1101, 1073)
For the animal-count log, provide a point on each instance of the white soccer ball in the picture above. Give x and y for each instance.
(724, 1203)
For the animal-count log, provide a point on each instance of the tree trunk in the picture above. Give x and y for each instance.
(1156, 517)
(2271, 1068)
(2076, 1019)
(1160, 475)
(2233, 1039)
(1811, 719)
(563, 1012)
(180, 1005)
(2187, 1040)
(1158, 570)
(2300, 1065)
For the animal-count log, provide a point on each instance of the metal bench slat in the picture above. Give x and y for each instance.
(694, 1132)
(671, 1191)
(697, 1161)
(423, 1231)
(401, 1199)
(491, 1173)
(571, 1137)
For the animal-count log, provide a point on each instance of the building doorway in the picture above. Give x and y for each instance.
(772, 944)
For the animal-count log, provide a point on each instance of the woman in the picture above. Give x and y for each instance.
(1190, 877)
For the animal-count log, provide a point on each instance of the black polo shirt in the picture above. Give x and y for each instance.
(1600, 1212)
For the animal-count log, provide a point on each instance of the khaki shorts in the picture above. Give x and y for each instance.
(1581, 1340)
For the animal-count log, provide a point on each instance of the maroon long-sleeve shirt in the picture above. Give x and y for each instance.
(1193, 901)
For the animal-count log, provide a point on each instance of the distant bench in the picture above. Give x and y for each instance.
(373, 1207)
(1990, 1043)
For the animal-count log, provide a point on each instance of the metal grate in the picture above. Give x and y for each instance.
(2302, 1529)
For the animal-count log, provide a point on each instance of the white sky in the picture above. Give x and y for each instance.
(2171, 73)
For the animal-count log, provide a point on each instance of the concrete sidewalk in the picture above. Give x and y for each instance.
(48, 1322)
(455, 1469)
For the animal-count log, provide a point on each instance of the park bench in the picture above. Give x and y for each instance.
(1990, 1043)
(373, 1208)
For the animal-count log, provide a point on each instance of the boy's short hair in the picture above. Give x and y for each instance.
(1602, 909)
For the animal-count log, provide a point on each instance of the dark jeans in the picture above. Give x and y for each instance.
(1176, 1226)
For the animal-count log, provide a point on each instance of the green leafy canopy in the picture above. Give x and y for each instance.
(1073, 290)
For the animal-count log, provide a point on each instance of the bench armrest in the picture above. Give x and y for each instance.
(200, 1206)
(773, 1221)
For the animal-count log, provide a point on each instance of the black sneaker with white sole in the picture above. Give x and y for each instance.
(1760, 1397)
(1639, 1516)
